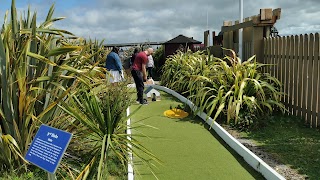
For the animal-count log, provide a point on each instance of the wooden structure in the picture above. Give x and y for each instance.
(255, 28)
(296, 62)
(206, 38)
(180, 42)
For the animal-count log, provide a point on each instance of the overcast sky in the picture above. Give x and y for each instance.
(124, 21)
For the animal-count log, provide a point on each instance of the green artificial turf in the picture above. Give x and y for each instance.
(187, 149)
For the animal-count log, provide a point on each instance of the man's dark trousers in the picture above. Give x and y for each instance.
(138, 80)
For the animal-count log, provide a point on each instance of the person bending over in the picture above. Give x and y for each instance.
(139, 73)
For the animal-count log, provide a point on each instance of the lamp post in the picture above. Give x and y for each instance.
(240, 30)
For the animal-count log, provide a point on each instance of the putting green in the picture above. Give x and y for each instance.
(187, 149)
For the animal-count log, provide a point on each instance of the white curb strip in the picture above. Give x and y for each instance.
(253, 160)
(130, 163)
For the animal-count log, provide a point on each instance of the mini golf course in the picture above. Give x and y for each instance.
(186, 147)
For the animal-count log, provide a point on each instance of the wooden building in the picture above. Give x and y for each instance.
(180, 42)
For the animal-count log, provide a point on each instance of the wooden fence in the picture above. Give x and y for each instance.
(296, 60)
(247, 50)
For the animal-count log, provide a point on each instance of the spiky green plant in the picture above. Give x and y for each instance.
(101, 116)
(38, 69)
(223, 85)
(181, 67)
(41, 67)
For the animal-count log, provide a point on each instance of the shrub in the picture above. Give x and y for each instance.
(229, 88)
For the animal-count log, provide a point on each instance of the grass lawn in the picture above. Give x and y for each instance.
(289, 140)
(187, 149)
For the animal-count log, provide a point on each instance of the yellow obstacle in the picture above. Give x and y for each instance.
(176, 113)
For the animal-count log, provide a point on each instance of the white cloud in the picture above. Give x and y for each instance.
(120, 21)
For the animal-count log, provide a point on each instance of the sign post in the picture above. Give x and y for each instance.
(47, 149)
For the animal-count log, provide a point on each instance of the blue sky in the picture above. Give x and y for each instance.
(122, 21)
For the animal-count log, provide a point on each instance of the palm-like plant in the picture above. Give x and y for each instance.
(101, 118)
(39, 67)
(223, 85)
(181, 67)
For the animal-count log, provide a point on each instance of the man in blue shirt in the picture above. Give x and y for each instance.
(114, 67)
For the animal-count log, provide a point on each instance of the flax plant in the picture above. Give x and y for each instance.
(38, 68)
(42, 69)
(101, 117)
(181, 68)
(224, 86)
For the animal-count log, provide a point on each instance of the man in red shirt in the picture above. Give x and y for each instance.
(139, 72)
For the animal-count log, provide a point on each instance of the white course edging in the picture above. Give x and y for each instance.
(130, 162)
(252, 159)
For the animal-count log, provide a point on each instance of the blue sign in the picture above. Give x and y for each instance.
(48, 147)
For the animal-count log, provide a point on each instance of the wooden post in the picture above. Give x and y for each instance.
(213, 38)
(258, 43)
(266, 14)
(227, 23)
(206, 38)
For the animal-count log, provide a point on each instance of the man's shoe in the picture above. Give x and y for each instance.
(144, 102)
